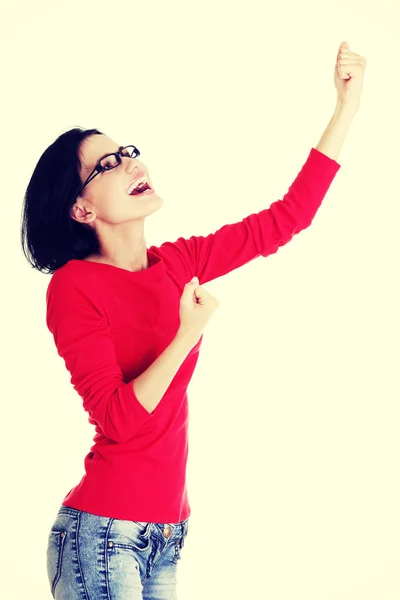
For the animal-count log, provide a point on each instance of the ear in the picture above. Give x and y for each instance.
(80, 214)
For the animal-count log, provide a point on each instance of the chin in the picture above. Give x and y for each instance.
(157, 199)
(154, 203)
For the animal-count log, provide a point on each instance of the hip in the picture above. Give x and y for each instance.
(100, 557)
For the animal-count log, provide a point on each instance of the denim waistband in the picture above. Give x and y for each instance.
(74, 511)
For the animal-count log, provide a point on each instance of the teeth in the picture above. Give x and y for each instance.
(135, 183)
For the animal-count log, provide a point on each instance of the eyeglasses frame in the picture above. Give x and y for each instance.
(99, 169)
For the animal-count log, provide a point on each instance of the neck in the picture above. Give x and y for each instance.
(125, 248)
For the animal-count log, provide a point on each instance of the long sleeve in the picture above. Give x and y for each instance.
(259, 234)
(83, 339)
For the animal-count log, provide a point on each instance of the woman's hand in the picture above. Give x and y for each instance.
(349, 76)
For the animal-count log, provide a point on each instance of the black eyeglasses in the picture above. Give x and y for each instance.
(110, 161)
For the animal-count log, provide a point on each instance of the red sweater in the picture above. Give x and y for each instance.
(110, 324)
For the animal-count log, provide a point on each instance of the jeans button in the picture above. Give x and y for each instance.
(168, 532)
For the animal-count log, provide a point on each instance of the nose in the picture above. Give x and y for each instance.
(132, 165)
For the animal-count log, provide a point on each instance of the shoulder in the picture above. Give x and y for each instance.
(74, 281)
(74, 295)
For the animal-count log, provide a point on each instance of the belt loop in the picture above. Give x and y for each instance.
(147, 531)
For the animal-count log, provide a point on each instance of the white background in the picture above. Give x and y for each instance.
(293, 466)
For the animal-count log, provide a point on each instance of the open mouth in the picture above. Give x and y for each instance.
(140, 189)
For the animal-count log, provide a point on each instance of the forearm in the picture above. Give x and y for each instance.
(334, 135)
(152, 384)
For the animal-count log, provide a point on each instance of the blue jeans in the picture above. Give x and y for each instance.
(100, 558)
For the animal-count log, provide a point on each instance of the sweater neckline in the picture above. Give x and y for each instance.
(155, 262)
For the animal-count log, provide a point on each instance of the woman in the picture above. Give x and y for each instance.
(128, 322)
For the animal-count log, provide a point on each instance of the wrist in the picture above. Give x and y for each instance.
(344, 110)
(186, 338)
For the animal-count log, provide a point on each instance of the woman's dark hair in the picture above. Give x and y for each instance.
(50, 237)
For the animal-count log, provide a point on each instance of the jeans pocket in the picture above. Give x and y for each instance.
(134, 536)
(55, 548)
